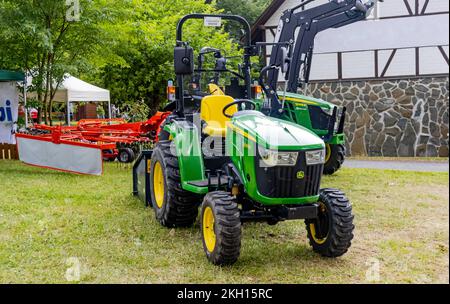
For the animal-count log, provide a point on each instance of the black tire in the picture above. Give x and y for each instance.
(180, 207)
(109, 159)
(126, 155)
(336, 159)
(227, 228)
(331, 234)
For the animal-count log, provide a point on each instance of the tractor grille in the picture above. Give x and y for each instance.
(283, 182)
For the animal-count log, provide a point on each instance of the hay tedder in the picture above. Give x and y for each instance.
(83, 148)
(116, 138)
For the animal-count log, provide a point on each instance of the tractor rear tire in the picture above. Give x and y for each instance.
(174, 207)
(221, 228)
(332, 232)
(335, 158)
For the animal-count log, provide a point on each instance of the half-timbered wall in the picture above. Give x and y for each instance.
(401, 38)
(391, 71)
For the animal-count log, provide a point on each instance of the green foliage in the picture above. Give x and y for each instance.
(249, 9)
(124, 46)
(145, 47)
(41, 38)
(137, 111)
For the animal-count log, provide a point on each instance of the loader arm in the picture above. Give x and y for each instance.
(297, 30)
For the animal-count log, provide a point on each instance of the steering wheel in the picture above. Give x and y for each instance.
(239, 102)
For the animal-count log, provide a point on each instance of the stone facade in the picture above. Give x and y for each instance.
(405, 117)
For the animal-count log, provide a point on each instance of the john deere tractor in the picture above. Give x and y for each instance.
(290, 62)
(238, 165)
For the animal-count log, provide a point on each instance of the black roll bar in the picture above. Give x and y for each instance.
(236, 18)
(248, 52)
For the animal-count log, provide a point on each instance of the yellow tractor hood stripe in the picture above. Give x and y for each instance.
(301, 101)
(242, 132)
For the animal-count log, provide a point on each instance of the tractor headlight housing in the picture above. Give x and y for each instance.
(316, 157)
(271, 158)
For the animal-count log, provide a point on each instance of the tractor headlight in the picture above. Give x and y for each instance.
(315, 157)
(271, 158)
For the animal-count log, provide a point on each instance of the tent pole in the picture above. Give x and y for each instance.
(109, 109)
(68, 113)
(25, 89)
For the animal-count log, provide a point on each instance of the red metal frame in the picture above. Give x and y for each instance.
(106, 134)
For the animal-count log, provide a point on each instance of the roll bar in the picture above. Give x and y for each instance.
(249, 51)
(236, 18)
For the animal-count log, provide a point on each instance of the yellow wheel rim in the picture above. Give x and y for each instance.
(208, 229)
(312, 228)
(158, 184)
(328, 154)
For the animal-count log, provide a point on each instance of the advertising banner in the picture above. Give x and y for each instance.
(9, 111)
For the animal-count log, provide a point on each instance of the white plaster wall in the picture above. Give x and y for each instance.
(362, 38)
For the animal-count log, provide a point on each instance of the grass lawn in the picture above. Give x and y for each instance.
(49, 219)
(406, 159)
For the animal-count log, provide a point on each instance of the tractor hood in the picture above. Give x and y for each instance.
(308, 101)
(273, 133)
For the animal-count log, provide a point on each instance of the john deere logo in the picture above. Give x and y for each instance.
(300, 174)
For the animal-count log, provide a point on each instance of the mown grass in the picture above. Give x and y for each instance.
(405, 159)
(47, 218)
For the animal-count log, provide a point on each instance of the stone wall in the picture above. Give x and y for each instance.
(407, 117)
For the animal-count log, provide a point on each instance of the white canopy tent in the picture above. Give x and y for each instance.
(75, 90)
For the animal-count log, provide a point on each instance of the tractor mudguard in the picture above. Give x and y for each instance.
(187, 146)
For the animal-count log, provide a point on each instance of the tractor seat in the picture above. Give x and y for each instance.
(212, 114)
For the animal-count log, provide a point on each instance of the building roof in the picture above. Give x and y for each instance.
(11, 76)
(270, 10)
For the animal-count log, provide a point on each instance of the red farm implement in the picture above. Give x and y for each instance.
(115, 137)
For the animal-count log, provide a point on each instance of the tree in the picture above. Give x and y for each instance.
(49, 39)
(249, 9)
(125, 46)
(146, 49)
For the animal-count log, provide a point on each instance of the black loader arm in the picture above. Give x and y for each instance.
(298, 29)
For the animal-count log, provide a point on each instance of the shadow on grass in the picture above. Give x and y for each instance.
(260, 249)
(37, 171)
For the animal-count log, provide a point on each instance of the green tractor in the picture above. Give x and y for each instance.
(291, 57)
(219, 153)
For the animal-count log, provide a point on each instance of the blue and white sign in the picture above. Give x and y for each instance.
(9, 111)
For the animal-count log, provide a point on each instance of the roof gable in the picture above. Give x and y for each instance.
(270, 10)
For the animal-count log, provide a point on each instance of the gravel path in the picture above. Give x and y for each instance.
(422, 166)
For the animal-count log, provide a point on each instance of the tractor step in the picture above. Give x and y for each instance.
(213, 182)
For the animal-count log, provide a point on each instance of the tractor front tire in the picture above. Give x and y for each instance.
(221, 228)
(174, 207)
(335, 157)
(332, 232)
